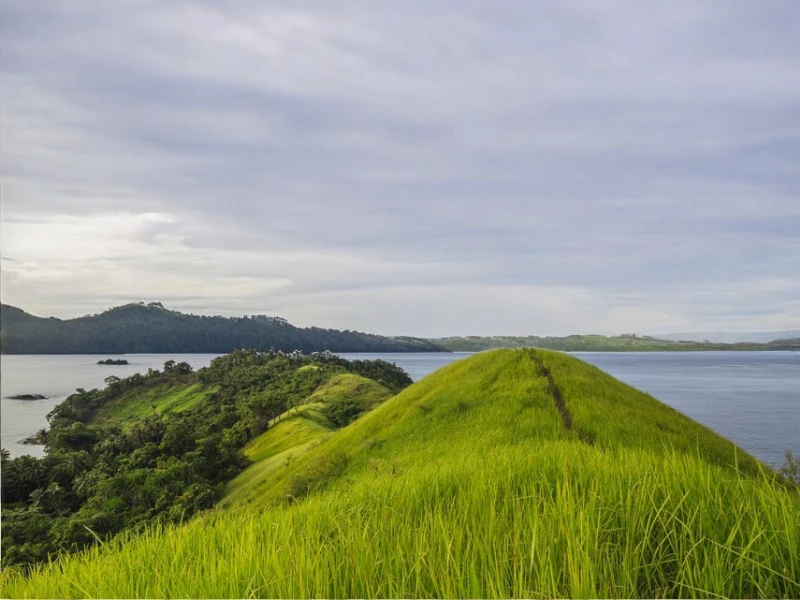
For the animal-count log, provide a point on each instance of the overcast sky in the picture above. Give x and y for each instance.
(410, 167)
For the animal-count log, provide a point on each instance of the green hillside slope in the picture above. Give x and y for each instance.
(509, 474)
(504, 398)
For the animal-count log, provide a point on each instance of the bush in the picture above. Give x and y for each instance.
(343, 412)
(791, 469)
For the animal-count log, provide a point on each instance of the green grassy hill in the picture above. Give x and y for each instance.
(513, 473)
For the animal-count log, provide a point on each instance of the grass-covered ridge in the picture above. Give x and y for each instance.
(511, 473)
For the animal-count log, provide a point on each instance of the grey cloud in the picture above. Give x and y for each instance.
(616, 148)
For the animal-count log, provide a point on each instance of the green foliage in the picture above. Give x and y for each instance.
(153, 448)
(470, 484)
(346, 397)
(791, 469)
(150, 328)
(344, 412)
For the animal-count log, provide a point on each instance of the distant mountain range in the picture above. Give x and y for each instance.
(731, 337)
(151, 328)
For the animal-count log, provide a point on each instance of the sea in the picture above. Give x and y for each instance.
(751, 398)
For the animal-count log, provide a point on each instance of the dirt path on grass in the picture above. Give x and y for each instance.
(553, 389)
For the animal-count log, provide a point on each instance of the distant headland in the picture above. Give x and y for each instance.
(152, 329)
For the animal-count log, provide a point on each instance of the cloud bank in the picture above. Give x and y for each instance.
(406, 167)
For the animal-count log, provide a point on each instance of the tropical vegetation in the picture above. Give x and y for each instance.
(159, 447)
(513, 473)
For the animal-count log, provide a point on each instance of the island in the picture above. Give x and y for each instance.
(27, 397)
(113, 361)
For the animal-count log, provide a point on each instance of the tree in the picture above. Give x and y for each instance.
(183, 368)
(73, 463)
(112, 380)
(83, 483)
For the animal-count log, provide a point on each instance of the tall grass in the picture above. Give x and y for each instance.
(550, 519)
(468, 484)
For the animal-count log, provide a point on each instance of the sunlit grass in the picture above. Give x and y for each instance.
(144, 401)
(541, 519)
(468, 484)
(351, 386)
(290, 437)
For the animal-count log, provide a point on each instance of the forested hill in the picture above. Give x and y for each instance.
(151, 328)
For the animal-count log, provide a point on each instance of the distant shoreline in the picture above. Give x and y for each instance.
(600, 343)
(719, 348)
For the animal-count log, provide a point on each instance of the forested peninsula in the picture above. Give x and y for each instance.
(150, 328)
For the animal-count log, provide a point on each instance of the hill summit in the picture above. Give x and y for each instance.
(513, 473)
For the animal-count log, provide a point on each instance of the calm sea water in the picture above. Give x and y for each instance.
(752, 398)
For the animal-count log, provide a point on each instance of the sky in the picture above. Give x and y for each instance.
(409, 167)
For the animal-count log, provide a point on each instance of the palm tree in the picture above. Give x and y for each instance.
(73, 463)
(54, 494)
(36, 497)
(30, 469)
(83, 483)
